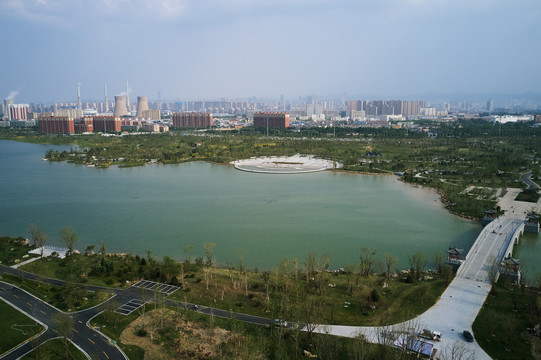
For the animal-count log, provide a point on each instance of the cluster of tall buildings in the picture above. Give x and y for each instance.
(385, 107)
(15, 112)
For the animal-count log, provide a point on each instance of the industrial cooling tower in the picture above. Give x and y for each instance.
(120, 106)
(142, 105)
(7, 102)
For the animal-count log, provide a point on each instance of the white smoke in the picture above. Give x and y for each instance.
(124, 93)
(12, 95)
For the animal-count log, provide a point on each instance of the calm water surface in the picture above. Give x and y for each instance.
(269, 217)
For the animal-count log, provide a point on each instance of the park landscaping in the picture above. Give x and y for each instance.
(359, 294)
(55, 349)
(16, 327)
(70, 297)
(509, 323)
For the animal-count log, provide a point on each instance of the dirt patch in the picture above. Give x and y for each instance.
(170, 335)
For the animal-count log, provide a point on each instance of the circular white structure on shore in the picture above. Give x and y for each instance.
(296, 164)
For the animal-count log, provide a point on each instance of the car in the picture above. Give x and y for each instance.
(280, 323)
(467, 336)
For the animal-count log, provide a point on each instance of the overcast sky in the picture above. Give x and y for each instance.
(194, 49)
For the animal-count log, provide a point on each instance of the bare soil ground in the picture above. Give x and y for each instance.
(192, 340)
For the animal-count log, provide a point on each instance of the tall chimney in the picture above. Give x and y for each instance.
(128, 97)
(142, 105)
(106, 101)
(79, 95)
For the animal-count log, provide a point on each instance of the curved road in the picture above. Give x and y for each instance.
(454, 312)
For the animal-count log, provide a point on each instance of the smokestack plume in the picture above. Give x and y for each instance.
(12, 95)
(142, 105)
(120, 106)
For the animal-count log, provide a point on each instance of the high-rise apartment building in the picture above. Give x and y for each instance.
(17, 112)
(192, 120)
(106, 123)
(490, 105)
(56, 125)
(280, 120)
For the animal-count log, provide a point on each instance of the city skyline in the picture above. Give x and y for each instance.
(183, 49)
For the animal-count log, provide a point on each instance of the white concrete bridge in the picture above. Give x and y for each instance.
(459, 305)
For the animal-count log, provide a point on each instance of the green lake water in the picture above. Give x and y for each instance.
(267, 217)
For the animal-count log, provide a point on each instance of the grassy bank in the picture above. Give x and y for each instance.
(16, 327)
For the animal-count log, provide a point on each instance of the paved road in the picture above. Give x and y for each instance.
(92, 342)
(454, 312)
(87, 339)
(527, 179)
(458, 306)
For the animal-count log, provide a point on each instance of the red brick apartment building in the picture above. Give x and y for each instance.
(56, 125)
(192, 120)
(271, 119)
(106, 123)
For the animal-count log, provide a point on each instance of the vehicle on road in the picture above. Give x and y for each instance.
(430, 335)
(280, 323)
(467, 336)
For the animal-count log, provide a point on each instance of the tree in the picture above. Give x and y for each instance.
(309, 265)
(390, 263)
(64, 326)
(39, 239)
(493, 272)
(417, 264)
(169, 268)
(458, 351)
(89, 250)
(103, 251)
(188, 251)
(367, 260)
(209, 248)
(68, 235)
(438, 261)
(241, 255)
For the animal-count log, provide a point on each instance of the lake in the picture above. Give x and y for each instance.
(267, 217)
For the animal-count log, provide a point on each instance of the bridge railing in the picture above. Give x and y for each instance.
(508, 239)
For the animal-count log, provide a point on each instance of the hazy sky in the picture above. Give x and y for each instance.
(191, 49)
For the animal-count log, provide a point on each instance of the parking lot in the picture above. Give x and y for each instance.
(130, 307)
(156, 286)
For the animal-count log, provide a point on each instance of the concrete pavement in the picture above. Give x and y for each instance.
(92, 343)
(458, 306)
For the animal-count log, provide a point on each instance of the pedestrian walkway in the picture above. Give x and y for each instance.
(156, 286)
(16, 266)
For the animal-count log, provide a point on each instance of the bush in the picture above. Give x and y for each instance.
(374, 295)
(141, 333)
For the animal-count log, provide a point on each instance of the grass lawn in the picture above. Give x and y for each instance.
(16, 327)
(500, 327)
(528, 196)
(339, 297)
(54, 349)
(397, 301)
(66, 298)
(12, 249)
(77, 272)
(112, 324)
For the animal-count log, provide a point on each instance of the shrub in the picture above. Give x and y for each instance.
(374, 295)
